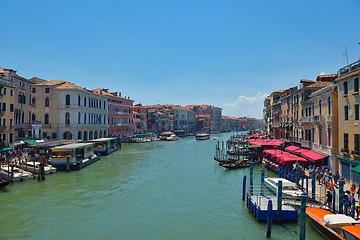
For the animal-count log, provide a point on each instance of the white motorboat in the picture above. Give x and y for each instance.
(19, 175)
(289, 189)
(29, 166)
(202, 136)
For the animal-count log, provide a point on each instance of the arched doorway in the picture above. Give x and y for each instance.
(67, 135)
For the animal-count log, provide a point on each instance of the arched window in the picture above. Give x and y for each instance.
(79, 135)
(46, 119)
(79, 118)
(67, 100)
(79, 100)
(84, 118)
(47, 102)
(84, 101)
(67, 118)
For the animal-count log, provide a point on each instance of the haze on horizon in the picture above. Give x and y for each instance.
(231, 54)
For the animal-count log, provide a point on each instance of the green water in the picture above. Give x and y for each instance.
(158, 190)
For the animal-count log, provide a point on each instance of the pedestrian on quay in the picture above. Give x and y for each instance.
(328, 200)
(352, 191)
(336, 177)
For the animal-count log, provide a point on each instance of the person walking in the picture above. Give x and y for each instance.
(328, 200)
(336, 177)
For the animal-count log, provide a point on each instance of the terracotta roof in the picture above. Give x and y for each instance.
(69, 85)
(319, 85)
(1, 70)
(307, 81)
(327, 76)
(50, 83)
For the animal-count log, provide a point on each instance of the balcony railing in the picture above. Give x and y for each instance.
(349, 68)
(6, 82)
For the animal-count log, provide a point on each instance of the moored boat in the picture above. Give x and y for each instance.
(289, 189)
(165, 135)
(73, 156)
(105, 146)
(35, 167)
(202, 136)
(334, 226)
(14, 174)
(4, 183)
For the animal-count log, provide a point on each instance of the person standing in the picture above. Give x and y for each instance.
(358, 192)
(336, 177)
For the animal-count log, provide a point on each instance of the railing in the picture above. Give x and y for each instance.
(19, 125)
(6, 82)
(349, 68)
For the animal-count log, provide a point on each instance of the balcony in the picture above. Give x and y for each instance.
(6, 82)
(349, 68)
(316, 118)
(19, 125)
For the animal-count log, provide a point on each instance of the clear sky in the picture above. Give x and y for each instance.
(227, 53)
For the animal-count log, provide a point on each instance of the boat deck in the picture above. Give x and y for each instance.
(258, 206)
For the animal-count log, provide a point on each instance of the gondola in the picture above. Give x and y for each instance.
(235, 165)
(3, 183)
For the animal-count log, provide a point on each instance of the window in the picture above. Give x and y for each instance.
(4, 91)
(33, 102)
(3, 107)
(34, 90)
(79, 100)
(346, 90)
(84, 118)
(356, 143)
(356, 85)
(79, 118)
(46, 118)
(67, 100)
(47, 90)
(346, 113)
(320, 111)
(11, 107)
(346, 141)
(47, 102)
(67, 118)
(11, 92)
(329, 106)
(356, 108)
(85, 101)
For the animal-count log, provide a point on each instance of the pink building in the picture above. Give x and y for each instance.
(121, 122)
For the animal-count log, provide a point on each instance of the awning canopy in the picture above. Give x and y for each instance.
(356, 170)
(291, 148)
(5, 149)
(312, 156)
(30, 141)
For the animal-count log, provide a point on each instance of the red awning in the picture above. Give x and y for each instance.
(312, 156)
(291, 148)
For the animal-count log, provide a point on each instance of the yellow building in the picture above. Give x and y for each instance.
(325, 124)
(7, 100)
(349, 117)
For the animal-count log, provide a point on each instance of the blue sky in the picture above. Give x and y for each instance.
(228, 53)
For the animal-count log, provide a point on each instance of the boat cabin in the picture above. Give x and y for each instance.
(72, 154)
(105, 146)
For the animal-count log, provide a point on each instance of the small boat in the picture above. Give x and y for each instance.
(73, 156)
(19, 175)
(4, 183)
(105, 146)
(165, 135)
(334, 226)
(202, 136)
(172, 137)
(235, 165)
(29, 166)
(289, 189)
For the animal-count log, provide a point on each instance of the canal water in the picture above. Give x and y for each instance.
(158, 190)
